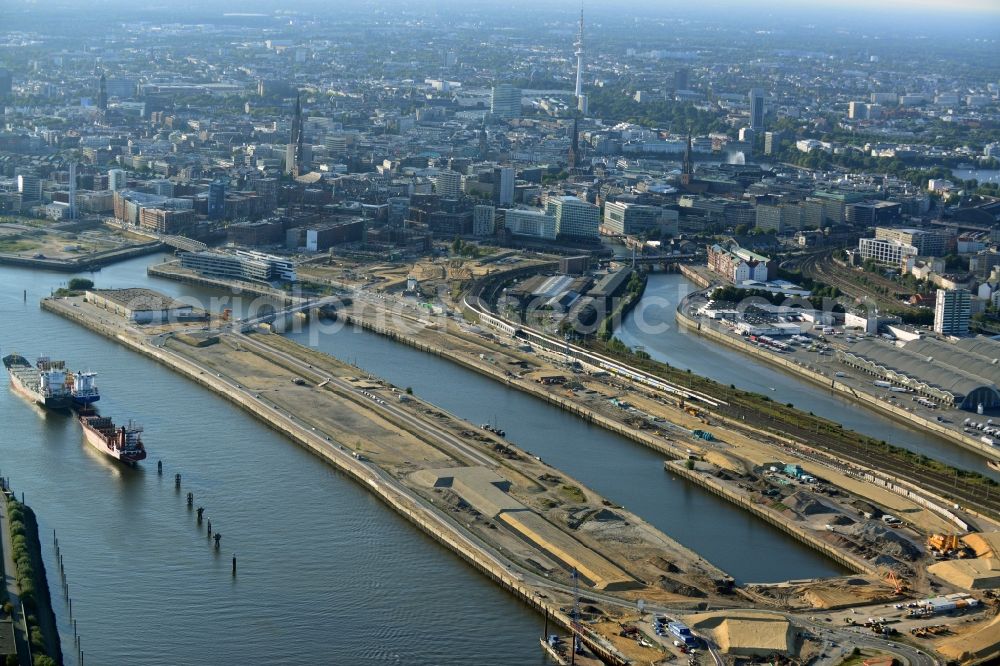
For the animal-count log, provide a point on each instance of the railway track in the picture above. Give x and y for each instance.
(858, 450)
(982, 497)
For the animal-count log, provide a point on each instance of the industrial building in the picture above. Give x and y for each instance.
(240, 265)
(141, 306)
(962, 375)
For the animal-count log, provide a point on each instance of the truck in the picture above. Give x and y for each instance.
(681, 631)
(882, 383)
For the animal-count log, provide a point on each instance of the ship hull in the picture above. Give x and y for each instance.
(52, 402)
(85, 400)
(94, 439)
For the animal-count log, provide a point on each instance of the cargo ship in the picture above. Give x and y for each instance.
(45, 383)
(83, 386)
(119, 442)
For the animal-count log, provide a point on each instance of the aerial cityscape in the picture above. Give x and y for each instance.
(446, 333)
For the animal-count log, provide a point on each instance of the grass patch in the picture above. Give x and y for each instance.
(572, 493)
(17, 245)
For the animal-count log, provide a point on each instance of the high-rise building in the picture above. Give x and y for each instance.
(757, 109)
(267, 188)
(575, 219)
(772, 142)
(505, 101)
(573, 157)
(29, 185)
(447, 184)
(399, 211)
(116, 179)
(72, 190)
(217, 200)
(951, 311)
(293, 151)
(483, 220)
(503, 186)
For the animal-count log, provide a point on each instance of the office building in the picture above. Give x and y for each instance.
(241, 265)
(503, 186)
(575, 219)
(630, 219)
(757, 110)
(267, 190)
(29, 186)
(506, 101)
(447, 184)
(399, 211)
(534, 223)
(886, 252)
(117, 180)
(951, 311)
(216, 200)
(778, 218)
(483, 220)
(928, 243)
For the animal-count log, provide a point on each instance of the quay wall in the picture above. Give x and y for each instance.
(772, 517)
(85, 263)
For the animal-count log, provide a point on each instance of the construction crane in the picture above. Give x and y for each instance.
(899, 586)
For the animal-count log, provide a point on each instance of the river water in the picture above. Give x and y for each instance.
(652, 325)
(619, 469)
(327, 573)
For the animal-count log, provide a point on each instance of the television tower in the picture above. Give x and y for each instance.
(581, 100)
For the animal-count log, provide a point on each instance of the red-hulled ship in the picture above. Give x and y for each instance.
(120, 442)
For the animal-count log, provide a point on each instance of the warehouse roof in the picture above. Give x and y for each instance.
(139, 299)
(979, 359)
(922, 367)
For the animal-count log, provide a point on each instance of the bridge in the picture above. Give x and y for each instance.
(306, 305)
(184, 243)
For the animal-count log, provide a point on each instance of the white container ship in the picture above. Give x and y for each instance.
(45, 383)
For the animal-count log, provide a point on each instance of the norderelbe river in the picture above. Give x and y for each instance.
(327, 573)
